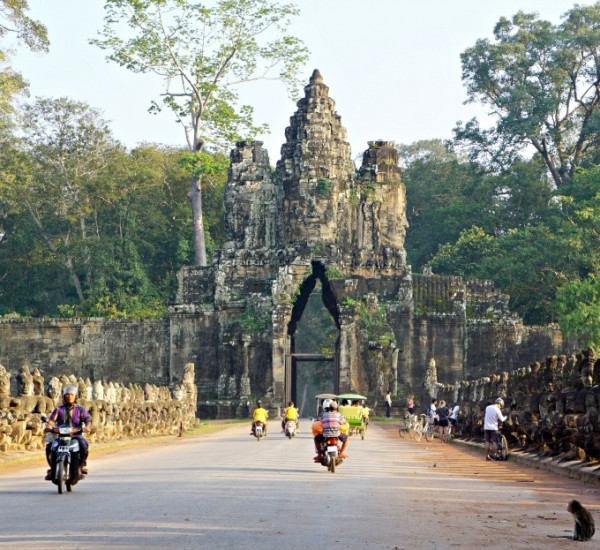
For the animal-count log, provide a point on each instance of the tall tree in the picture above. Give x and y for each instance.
(444, 196)
(578, 309)
(68, 143)
(542, 85)
(203, 54)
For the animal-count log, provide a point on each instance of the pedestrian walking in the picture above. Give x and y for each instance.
(388, 404)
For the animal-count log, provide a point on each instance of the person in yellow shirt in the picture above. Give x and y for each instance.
(365, 411)
(259, 415)
(290, 413)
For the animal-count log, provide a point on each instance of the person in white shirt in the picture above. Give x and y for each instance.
(491, 425)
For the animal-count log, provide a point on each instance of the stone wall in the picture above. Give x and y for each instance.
(123, 351)
(552, 406)
(118, 411)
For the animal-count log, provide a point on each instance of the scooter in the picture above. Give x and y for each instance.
(330, 450)
(290, 428)
(65, 458)
(259, 430)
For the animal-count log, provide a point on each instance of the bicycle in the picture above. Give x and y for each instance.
(503, 451)
(428, 427)
(452, 429)
(410, 426)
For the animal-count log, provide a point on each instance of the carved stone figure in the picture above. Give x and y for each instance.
(25, 381)
(38, 382)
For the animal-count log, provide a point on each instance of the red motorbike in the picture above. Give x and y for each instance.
(259, 432)
(330, 451)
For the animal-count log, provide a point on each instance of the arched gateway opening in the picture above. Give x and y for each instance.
(312, 365)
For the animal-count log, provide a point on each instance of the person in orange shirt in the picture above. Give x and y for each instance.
(334, 423)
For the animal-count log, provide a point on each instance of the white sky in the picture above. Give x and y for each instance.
(392, 66)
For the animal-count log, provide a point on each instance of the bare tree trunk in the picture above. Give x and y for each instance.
(195, 197)
(66, 260)
(76, 282)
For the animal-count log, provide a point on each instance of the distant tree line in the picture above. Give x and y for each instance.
(518, 203)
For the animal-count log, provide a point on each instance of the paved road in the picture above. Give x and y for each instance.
(225, 490)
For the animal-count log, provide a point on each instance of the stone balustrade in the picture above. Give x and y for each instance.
(118, 411)
(552, 408)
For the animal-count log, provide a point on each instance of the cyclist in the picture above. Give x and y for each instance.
(491, 425)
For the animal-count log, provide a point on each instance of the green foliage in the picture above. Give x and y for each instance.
(297, 294)
(578, 310)
(539, 81)
(465, 256)
(252, 320)
(11, 86)
(14, 19)
(205, 164)
(205, 54)
(376, 323)
(323, 186)
(316, 249)
(444, 196)
(333, 273)
(138, 229)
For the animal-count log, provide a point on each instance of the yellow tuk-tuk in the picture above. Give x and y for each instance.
(354, 414)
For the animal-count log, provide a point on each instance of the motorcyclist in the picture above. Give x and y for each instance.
(330, 423)
(76, 416)
(259, 415)
(290, 413)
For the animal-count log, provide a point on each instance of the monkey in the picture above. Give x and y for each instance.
(584, 522)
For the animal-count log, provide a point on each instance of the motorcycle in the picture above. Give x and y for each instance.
(290, 428)
(259, 430)
(330, 451)
(65, 458)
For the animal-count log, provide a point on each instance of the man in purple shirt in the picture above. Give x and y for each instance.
(72, 414)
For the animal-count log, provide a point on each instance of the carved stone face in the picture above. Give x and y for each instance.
(54, 388)
(587, 375)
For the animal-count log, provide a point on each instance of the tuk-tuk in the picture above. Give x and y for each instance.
(321, 397)
(353, 411)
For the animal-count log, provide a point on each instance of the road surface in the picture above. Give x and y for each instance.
(226, 491)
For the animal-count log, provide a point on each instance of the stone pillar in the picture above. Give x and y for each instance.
(245, 389)
(394, 372)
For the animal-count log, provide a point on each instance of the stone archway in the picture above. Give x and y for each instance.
(291, 373)
(316, 274)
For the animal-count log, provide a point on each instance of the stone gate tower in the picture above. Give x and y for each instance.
(315, 217)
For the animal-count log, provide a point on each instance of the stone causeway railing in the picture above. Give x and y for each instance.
(552, 408)
(118, 411)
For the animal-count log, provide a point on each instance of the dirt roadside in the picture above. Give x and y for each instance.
(524, 505)
(13, 460)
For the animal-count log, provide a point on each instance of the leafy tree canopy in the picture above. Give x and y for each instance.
(14, 20)
(203, 54)
(540, 82)
(578, 310)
